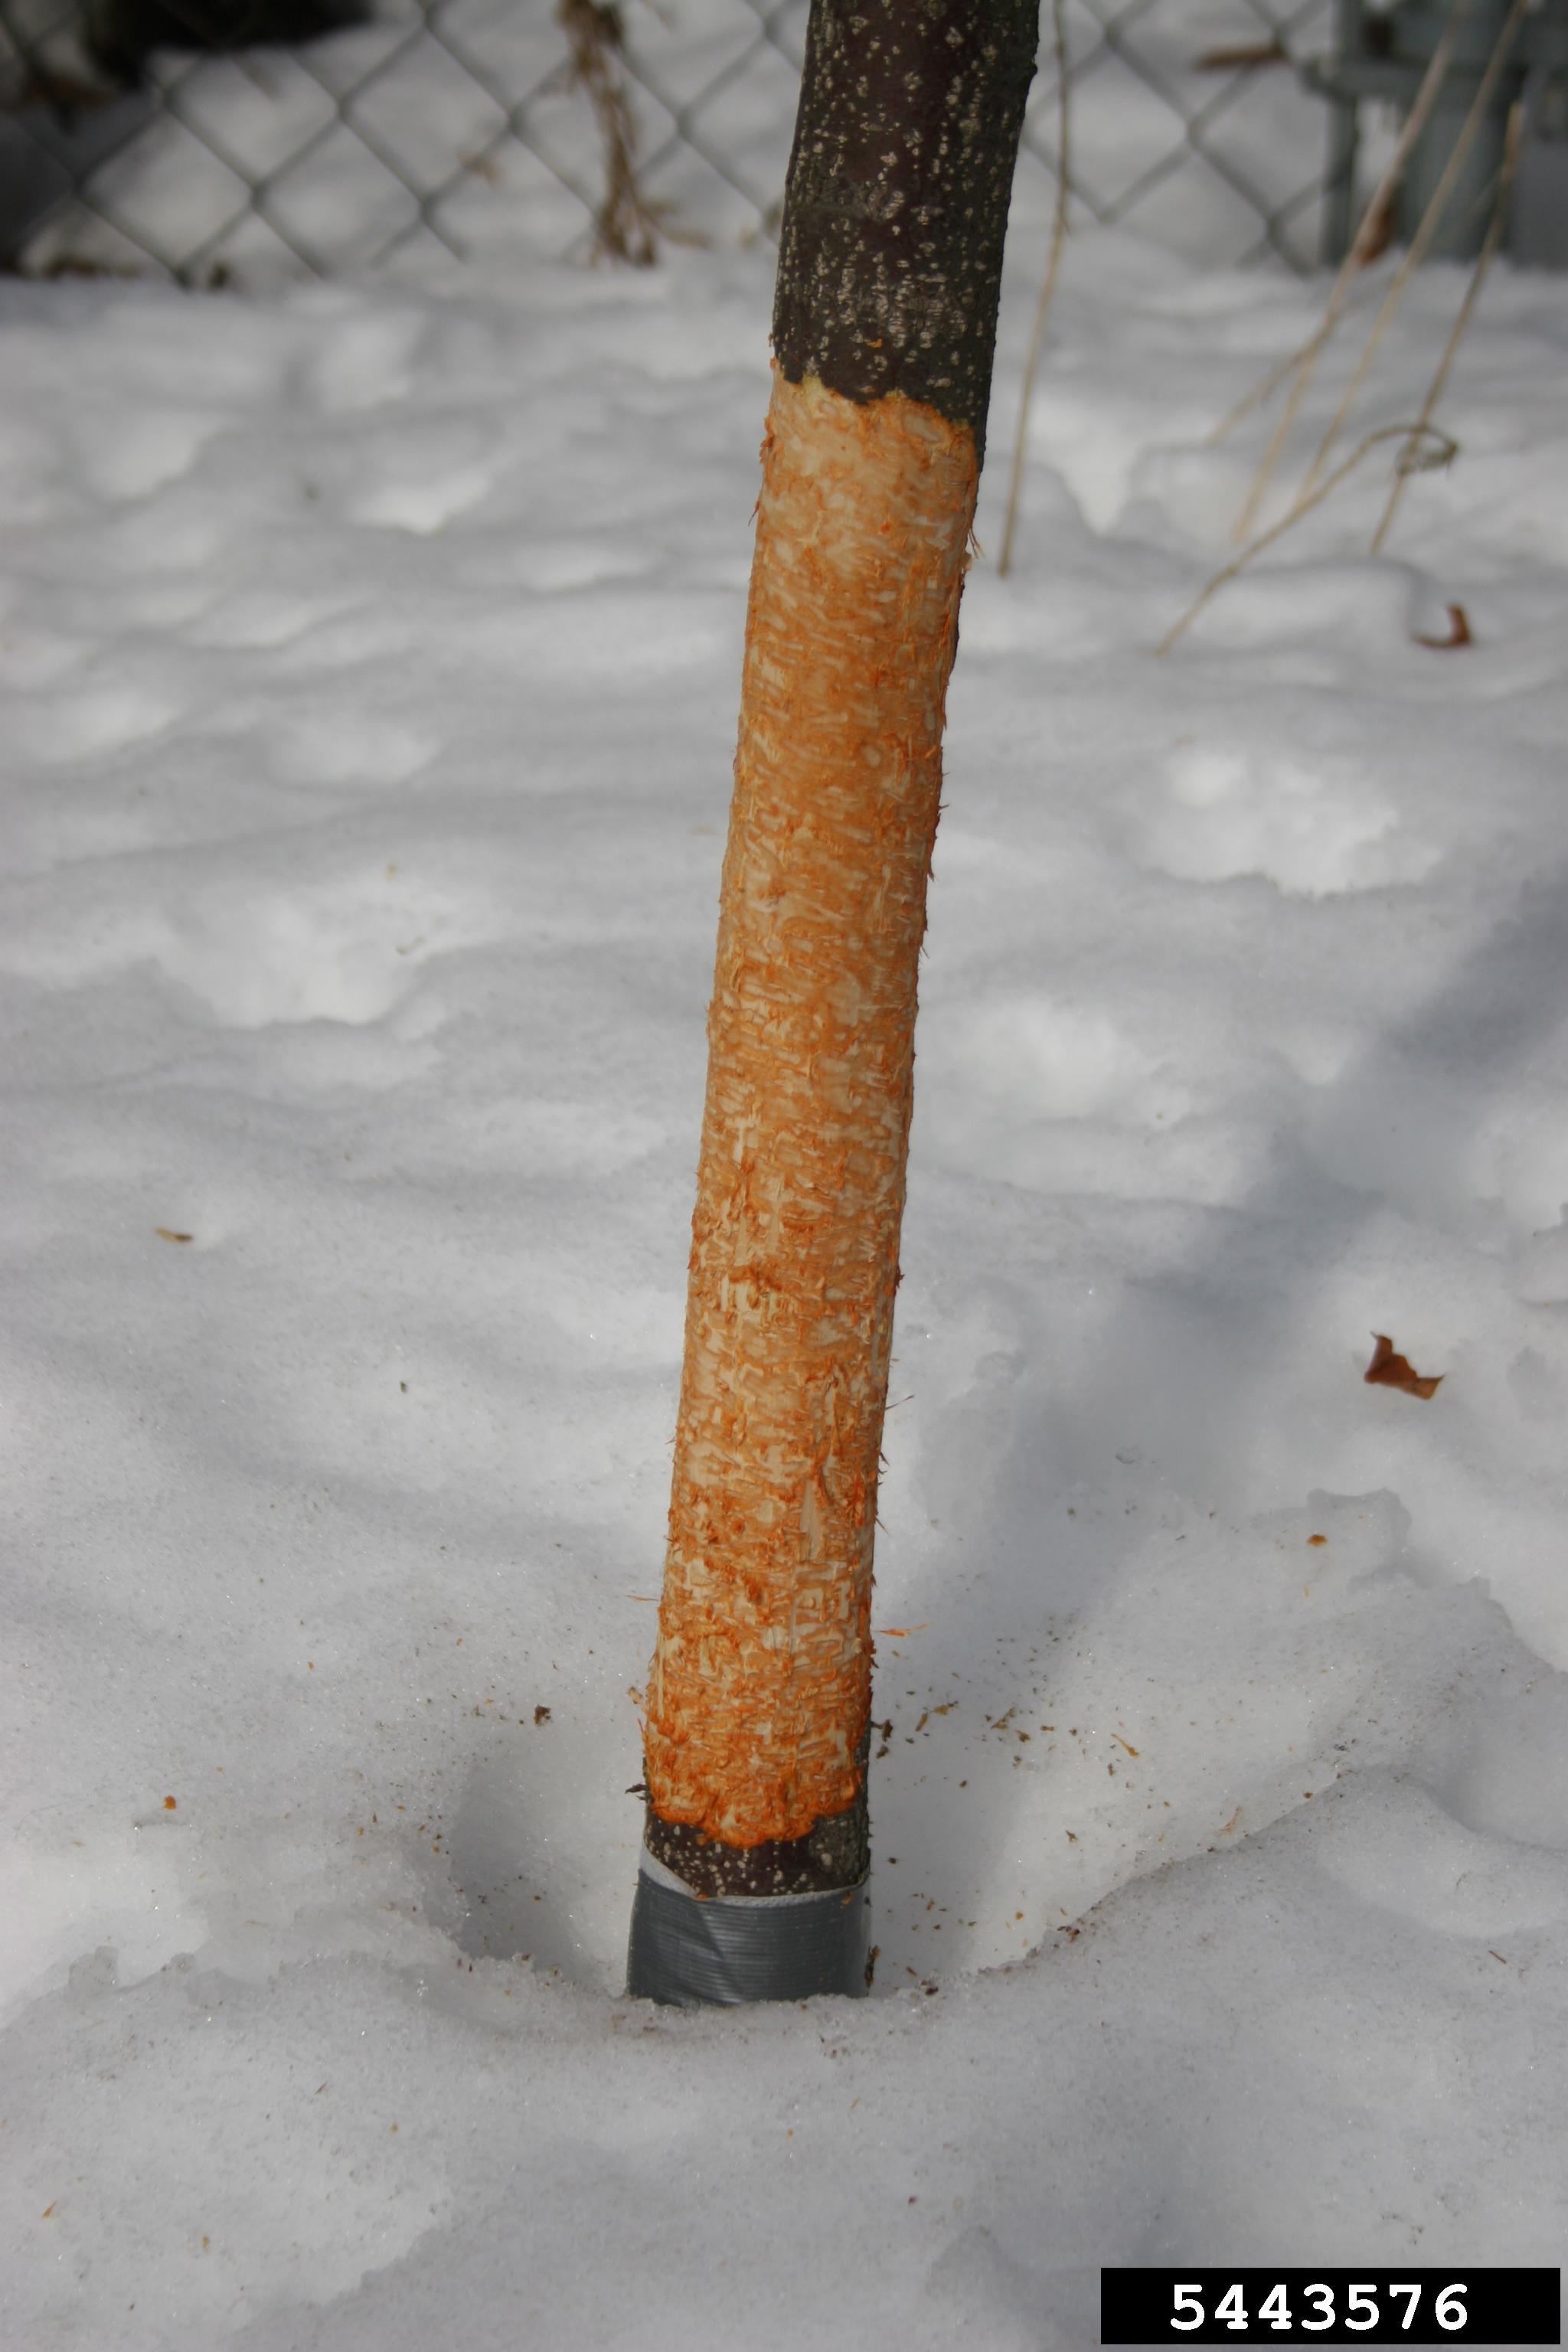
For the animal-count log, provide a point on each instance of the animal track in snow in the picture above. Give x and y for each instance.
(1058, 1061)
(294, 956)
(86, 721)
(38, 657)
(1307, 830)
(365, 361)
(261, 620)
(1504, 1772)
(349, 745)
(1520, 1155)
(144, 450)
(1047, 1095)
(1397, 1846)
(552, 565)
(343, 946)
(419, 482)
(427, 506)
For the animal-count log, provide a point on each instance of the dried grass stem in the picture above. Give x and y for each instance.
(624, 224)
(1421, 242)
(1047, 291)
(1363, 246)
(1410, 461)
(1512, 145)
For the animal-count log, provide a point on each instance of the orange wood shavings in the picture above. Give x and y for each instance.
(1390, 1370)
(760, 1691)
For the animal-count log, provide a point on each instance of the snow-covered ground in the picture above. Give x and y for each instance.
(369, 659)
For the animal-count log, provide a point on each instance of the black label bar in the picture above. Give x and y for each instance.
(1288, 2307)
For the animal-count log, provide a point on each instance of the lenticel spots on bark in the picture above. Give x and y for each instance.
(896, 205)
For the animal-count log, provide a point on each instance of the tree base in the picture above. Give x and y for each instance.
(691, 1950)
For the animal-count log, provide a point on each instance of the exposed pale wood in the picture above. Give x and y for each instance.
(760, 1691)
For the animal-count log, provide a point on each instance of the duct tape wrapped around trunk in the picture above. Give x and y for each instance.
(690, 1949)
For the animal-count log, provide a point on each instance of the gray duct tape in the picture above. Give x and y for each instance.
(727, 1948)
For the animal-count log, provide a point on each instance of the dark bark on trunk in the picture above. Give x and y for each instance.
(896, 206)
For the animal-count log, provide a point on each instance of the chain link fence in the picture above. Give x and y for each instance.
(213, 140)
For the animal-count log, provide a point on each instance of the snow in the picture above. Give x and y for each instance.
(369, 656)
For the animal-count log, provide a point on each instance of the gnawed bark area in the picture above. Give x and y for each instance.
(761, 1686)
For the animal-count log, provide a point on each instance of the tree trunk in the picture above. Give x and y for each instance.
(757, 1843)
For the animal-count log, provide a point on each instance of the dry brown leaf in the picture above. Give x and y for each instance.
(1242, 56)
(1458, 633)
(1389, 1369)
